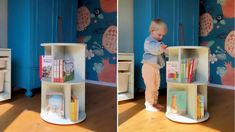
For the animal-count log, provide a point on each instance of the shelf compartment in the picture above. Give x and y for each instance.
(191, 92)
(186, 52)
(47, 89)
(78, 91)
(201, 54)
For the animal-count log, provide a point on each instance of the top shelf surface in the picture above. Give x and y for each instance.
(5, 49)
(186, 83)
(126, 54)
(72, 82)
(63, 44)
(187, 47)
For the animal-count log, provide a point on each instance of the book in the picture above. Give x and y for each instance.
(190, 77)
(74, 109)
(46, 66)
(172, 70)
(55, 105)
(61, 68)
(177, 100)
(187, 68)
(68, 70)
(183, 70)
(200, 106)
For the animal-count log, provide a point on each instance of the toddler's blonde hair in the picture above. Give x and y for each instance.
(156, 23)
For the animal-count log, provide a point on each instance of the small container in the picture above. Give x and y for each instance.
(2, 78)
(124, 65)
(3, 63)
(123, 82)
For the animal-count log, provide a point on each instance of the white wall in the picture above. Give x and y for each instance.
(125, 26)
(3, 24)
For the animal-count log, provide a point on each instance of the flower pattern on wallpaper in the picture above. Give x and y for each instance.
(108, 5)
(109, 39)
(226, 74)
(227, 8)
(217, 32)
(206, 24)
(97, 15)
(230, 43)
(97, 28)
(83, 20)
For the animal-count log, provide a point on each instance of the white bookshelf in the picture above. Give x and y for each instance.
(125, 75)
(192, 89)
(5, 74)
(76, 86)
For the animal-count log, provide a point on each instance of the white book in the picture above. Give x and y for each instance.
(54, 71)
(77, 109)
(202, 100)
(57, 70)
(61, 70)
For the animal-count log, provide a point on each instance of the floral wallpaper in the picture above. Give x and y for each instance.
(97, 27)
(217, 31)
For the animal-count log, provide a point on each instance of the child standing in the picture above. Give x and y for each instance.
(153, 61)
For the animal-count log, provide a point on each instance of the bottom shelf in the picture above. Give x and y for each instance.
(125, 96)
(82, 116)
(185, 119)
(4, 96)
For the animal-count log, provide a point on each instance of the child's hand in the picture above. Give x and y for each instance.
(163, 47)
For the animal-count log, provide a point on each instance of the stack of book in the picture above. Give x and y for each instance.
(187, 70)
(200, 106)
(57, 70)
(74, 109)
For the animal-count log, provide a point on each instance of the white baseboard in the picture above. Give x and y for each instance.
(222, 86)
(102, 83)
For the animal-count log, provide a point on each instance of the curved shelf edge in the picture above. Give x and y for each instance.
(187, 47)
(73, 82)
(4, 70)
(184, 83)
(82, 116)
(185, 119)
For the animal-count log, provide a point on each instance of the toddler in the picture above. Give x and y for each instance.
(153, 61)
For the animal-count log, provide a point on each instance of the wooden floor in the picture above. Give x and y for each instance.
(21, 114)
(133, 116)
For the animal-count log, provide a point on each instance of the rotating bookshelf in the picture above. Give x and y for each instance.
(63, 92)
(187, 79)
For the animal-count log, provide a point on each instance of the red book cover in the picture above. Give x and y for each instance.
(191, 71)
(40, 66)
(188, 69)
